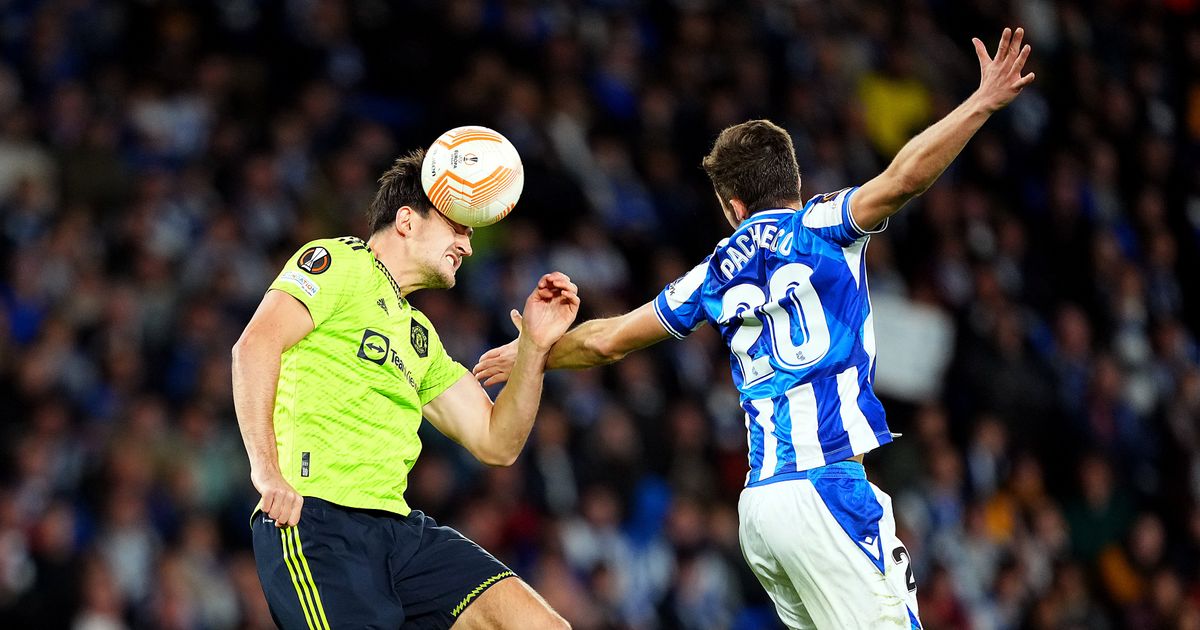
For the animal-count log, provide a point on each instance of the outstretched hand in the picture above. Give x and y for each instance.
(549, 311)
(1000, 78)
(496, 364)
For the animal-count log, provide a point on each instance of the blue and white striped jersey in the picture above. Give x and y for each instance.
(788, 293)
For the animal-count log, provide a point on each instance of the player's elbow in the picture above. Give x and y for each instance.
(498, 458)
(246, 346)
(240, 348)
(504, 462)
(493, 450)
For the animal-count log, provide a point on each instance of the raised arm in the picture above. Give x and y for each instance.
(496, 432)
(280, 322)
(592, 343)
(923, 158)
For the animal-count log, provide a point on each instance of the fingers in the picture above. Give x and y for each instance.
(557, 280)
(480, 366)
(268, 504)
(500, 377)
(283, 506)
(491, 369)
(293, 515)
(1024, 81)
(1019, 62)
(487, 362)
(1002, 49)
(515, 316)
(981, 52)
(553, 284)
(1015, 45)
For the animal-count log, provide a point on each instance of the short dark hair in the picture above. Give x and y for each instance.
(755, 163)
(399, 186)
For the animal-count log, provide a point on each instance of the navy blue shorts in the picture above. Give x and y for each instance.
(348, 568)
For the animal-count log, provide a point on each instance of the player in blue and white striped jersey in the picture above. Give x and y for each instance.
(788, 294)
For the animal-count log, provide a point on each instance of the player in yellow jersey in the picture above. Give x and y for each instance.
(331, 378)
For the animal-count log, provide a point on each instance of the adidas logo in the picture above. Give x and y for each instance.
(383, 305)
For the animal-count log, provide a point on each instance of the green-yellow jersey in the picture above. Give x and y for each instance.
(350, 393)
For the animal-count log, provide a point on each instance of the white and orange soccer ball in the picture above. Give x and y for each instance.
(473, 175)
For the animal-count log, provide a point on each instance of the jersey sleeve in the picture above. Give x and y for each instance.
(828, 215)
(443, 370)
(680, 305)
(320, 275)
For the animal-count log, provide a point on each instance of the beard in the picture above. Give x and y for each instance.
(434, 277)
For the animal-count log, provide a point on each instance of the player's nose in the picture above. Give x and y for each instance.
(464, 245)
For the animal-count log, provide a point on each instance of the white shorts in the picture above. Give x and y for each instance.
(826, 551)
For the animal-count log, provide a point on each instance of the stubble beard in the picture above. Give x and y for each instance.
(434, 278)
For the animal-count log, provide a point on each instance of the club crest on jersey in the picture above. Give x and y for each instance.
(420, 339)
(830, 196)
(315, 260)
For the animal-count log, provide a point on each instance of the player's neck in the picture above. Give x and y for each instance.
(738, 214)
(391, 251)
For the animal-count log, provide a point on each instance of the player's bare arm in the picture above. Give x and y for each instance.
(496, 432)
(921, 161)
(592, 343)
(280, 322)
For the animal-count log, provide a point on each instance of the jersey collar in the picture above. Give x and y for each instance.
(395, 287)
(763, 215)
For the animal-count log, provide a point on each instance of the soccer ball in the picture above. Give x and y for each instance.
(473, 175)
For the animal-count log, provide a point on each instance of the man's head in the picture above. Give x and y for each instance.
(433, 245)
(753, 167)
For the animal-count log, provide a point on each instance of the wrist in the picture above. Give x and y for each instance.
(264, 470)
(977, 104)
(532, 349)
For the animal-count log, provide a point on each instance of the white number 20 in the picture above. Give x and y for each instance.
(790, 284)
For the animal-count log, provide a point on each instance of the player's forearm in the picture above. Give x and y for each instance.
(516, 407)
(923, 158)
(255, 378)
(587, 345)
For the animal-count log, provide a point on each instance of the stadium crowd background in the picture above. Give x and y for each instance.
(159, 160)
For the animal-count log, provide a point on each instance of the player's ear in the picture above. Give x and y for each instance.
(404, 221)
(739, 209)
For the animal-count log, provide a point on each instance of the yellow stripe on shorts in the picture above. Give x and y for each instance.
(293, 565)
(316, 595)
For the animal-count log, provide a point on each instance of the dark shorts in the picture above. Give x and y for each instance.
(348, 568)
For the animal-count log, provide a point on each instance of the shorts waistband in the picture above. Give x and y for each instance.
(845, 469)
(318, 502)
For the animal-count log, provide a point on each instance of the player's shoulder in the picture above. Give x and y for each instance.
(828, 197)
(341, 255)
(421, 318)
(826, 209)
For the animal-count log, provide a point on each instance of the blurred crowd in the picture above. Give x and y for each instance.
(159, 161)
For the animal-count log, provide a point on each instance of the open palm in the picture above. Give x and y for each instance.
(1000, 79)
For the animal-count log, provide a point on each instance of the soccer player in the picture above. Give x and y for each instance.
(788, 293)
(330, 380)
